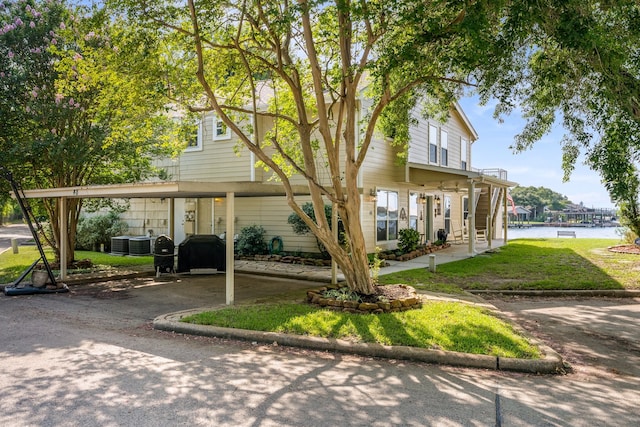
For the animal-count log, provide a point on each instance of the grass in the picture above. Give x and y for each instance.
(533, 264)
(12, 265)
(440, 325)
(522, 264)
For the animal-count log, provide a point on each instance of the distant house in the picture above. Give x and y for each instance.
(435, 191)
(521, 214)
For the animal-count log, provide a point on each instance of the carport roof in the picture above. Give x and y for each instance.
(165, 189)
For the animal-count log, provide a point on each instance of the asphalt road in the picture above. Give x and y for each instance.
(90, 357)
(18, 231)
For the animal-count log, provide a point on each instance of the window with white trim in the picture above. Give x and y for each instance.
(386, 215)
(465, 210)
(195, 142)
(463, 153)
(447, 213)
(220, 130)
(413, 211)
(433, 145)
(444, 147)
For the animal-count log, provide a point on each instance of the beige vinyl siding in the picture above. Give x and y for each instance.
(144, 215)
(457, 131)
(380, 171)
(269, 212)
(419, 142)
(217, 161)
(204, 220)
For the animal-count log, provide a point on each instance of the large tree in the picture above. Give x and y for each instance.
(327, 73)
(539, 198)
(323, 73)
(577, 64)
(70, 114)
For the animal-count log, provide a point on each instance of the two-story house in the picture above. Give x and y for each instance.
(436, 191)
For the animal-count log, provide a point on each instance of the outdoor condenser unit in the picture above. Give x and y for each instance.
(120, 245)
(139, 245)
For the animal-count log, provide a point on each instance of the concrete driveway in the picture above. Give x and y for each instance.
(90, 357)
(597, 336)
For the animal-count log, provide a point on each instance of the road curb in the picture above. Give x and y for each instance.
(613, 293)
(551, 363)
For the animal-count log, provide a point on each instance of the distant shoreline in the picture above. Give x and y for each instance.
(544, 231)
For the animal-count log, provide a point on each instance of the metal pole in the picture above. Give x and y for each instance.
(28, 218)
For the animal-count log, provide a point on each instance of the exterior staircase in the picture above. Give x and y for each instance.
(488, 208)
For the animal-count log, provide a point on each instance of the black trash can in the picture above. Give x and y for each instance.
(163, 255)
(442, 235)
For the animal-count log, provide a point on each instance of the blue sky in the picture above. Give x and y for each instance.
(539, 166)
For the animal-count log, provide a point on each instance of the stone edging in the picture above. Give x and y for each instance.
(315, 297)
(551, 363)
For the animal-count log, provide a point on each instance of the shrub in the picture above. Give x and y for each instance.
(300, 227)
(342, 294)
(408, 240)
(99, 229)
(251, 241)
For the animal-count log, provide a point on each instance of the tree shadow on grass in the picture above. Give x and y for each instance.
(530, 266)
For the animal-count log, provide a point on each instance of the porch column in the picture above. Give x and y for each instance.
(506, 215)
(230, 285)
(64, 240)
(490, 217)
(471, 223)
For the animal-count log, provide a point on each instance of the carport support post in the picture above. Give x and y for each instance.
(230, 285)
(63, 241)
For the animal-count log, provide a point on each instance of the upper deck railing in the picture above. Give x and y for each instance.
(495, 172)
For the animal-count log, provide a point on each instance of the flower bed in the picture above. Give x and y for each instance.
(388, 299)
(423, 250)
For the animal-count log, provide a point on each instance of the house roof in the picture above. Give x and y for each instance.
(172, 189)
(467, 122)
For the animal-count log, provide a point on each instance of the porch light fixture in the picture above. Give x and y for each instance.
(422, 199)
(373, 196)
(438, 209)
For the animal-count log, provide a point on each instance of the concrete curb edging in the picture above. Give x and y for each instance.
(613, 293)
(551, 363)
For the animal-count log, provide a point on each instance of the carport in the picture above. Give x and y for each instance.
(171, 191)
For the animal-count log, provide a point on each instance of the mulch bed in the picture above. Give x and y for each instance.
(626, 249)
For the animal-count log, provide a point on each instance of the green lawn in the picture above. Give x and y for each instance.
(522, 264)
(12, 265)
(536, 264)
(438, 325)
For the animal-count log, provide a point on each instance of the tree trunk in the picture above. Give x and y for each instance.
(73, 214)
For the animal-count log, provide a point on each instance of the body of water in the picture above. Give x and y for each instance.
(581, 232)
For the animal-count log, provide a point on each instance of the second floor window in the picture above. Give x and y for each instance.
(195, 142)
(220, 130)
(444, 148)
(433, 144)
(463, 154)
